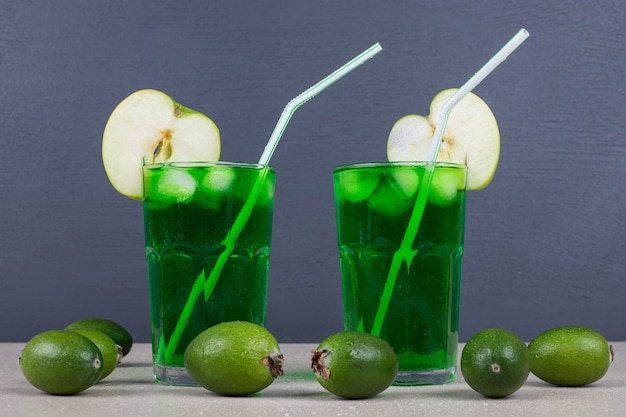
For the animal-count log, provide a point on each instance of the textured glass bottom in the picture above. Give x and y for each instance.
(433, 377)
(173, 375)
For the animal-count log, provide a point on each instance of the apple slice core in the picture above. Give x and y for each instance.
(149, 127)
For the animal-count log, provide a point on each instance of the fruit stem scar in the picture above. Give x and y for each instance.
(612, 352)
(274, 363)
(317, 363)
(495, 367)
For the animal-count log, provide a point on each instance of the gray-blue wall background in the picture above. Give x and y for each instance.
(544, 242)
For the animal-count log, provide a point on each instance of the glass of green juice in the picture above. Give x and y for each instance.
(374, 202)
(200, 273)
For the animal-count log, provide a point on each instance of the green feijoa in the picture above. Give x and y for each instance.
(495, 362)
(354, 365)
(234, 358)
(570, 356)
(61, 362)
(115, 331)
(111, 352)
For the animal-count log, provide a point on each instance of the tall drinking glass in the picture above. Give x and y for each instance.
(374, 202)
(196, 277)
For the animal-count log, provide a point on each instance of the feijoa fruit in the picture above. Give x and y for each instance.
(495, 362)
(115, 331)
(354, 365)
(61, 362)
(111, 352)
(570, 356)
(234, 358)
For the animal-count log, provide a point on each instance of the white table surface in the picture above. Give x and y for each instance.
(131, 391)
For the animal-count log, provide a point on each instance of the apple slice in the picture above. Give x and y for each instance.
(471, 137)
(149, 127)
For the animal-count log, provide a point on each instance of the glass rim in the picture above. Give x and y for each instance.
(386, 164)
(206, 164)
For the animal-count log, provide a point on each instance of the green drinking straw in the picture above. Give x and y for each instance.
(207, 284)
(405, 253)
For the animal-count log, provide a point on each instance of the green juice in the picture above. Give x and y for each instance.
(189, 209)
(374, 203)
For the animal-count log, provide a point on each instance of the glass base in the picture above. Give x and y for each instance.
(173, 375)
(429, 377)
